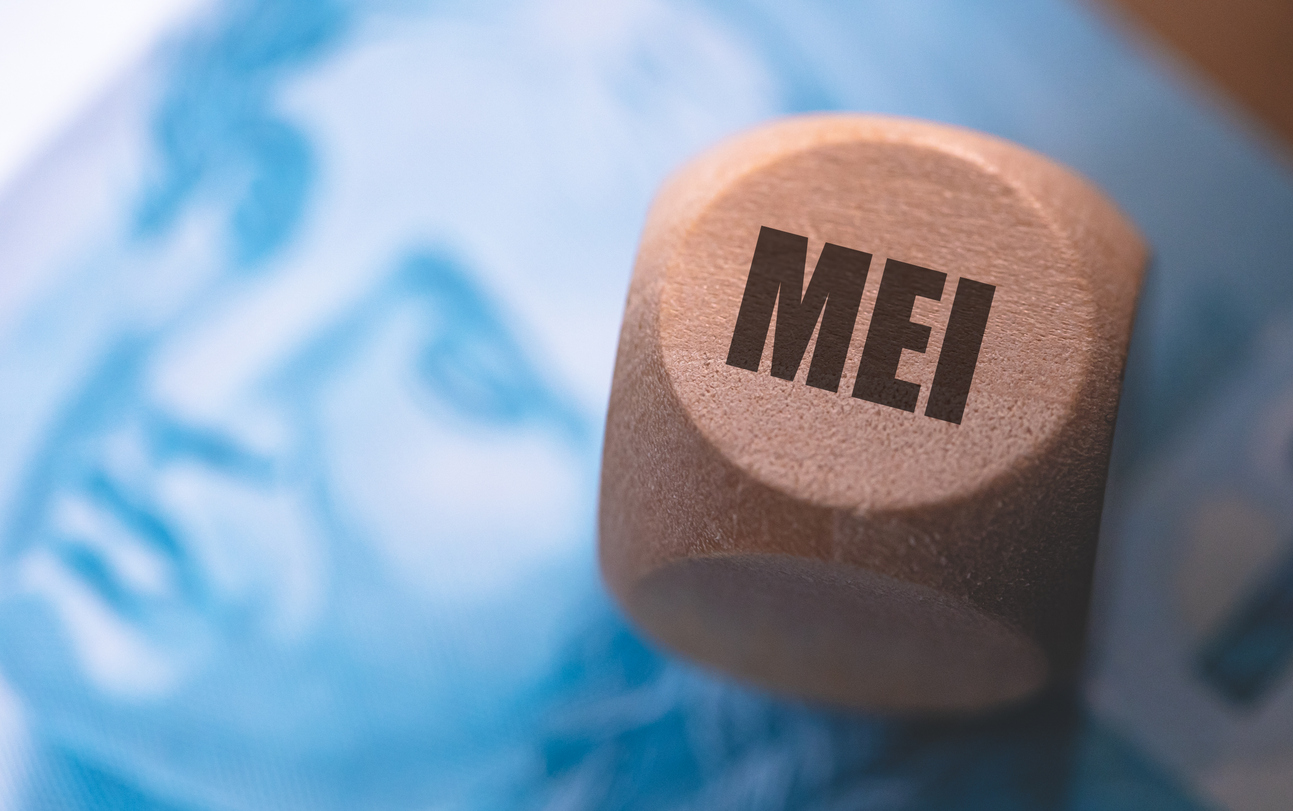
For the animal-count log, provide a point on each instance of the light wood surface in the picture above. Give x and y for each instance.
(1243, 47)
(837, 548)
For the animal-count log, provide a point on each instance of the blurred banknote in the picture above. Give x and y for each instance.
(306, 332)
(1196, 642)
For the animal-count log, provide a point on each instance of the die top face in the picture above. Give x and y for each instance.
(936, 198)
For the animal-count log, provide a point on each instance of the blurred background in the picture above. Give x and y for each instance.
(307, 315)
(56, 57)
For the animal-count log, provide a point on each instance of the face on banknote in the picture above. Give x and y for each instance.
(306, 333)
(308, 478)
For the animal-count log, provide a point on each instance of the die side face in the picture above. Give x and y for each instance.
(840, 635)
(967, 351)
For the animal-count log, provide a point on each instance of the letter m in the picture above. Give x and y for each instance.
(777, 280)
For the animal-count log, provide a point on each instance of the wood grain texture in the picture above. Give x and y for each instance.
(831, 547)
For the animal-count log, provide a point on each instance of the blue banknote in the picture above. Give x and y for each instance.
(306, 332)
(1195, 653)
